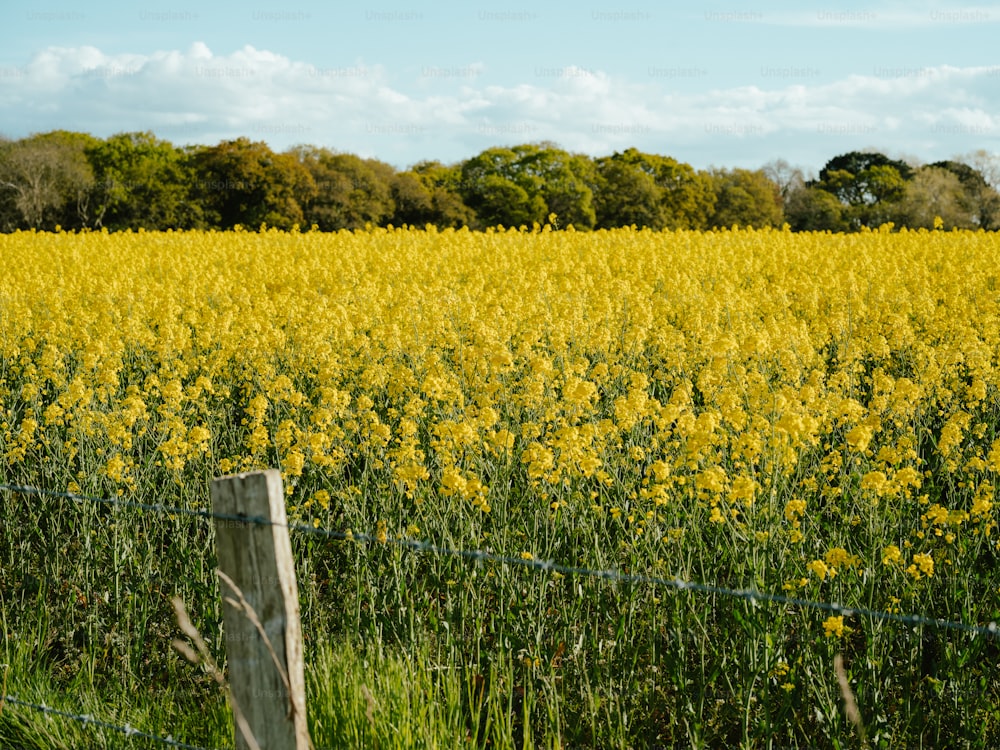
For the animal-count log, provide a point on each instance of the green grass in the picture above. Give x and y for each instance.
(412, 649)
(417, 650)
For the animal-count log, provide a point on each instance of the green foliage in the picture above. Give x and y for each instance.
(565, 181)
(87, 622)
(814, 209)
(856, 163)
(628, 197)
(350, 191)
(522, 185)
(500, 191)
(869, 184)
(137, 181)
(141, 181)
(413, 204)
(442, 185)
(745, 198)
(245, 183)
(652, 191)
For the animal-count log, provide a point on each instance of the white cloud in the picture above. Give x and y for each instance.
(197, 96)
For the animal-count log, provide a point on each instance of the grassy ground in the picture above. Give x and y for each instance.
(411, 650)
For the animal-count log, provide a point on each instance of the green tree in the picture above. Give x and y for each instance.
(246, 183)
(869, 184)
(500, 201)
(857, 164)
(10, 216)
(564, 181)
(500, 192)
(351, 192)
(443, 185)
(141, 181)
(628, 196)
(666, 193)
(811, 209)
(413, 202)
(525, 184)
(745, 198)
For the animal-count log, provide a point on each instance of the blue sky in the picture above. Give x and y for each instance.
(713, 84)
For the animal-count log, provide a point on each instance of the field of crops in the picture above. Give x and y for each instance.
(811, 415)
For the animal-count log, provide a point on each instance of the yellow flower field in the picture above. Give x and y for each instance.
(812, 414)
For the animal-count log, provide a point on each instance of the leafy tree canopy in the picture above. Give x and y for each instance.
(745, 198)
(141, 181)
(667, 193)
(244, 182)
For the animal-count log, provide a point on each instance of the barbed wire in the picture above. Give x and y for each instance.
(751, 595)
(86, 719)
(156, 507)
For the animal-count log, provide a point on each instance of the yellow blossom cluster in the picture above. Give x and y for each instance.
(759, 388)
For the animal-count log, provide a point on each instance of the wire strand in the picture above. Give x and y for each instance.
(425, 547)
(85, 719)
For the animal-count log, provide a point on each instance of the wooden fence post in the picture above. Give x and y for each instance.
(257, 558)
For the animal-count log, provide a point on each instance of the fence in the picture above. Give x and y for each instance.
(255, 502)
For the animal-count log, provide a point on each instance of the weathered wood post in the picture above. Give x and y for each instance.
(260, 608)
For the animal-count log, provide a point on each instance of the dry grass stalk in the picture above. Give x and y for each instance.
(850, 705)
(204, 656)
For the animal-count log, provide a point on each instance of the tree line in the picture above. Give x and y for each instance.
(138, 181)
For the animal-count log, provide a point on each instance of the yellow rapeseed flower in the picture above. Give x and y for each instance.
(821, 569)
(891, 555)
(833, 626)
(923, 565)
